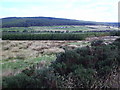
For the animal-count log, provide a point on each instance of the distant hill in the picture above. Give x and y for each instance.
(41, 21)
(47, 21)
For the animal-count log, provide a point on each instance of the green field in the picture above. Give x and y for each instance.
(22, 64)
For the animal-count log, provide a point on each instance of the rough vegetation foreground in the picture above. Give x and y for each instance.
(94, 65)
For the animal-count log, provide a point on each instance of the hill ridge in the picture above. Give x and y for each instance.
(41, 21)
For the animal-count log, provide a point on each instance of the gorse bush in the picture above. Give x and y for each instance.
(117, 43)
(88, 63)
(97, 43)
(89, 57)
(20, 81)
(79, 67)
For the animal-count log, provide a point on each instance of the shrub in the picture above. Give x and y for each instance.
(20, 56)
(85, 77)
(97, 43)
(117, 44)
(94, 57)
(115, 33)
(19, 81)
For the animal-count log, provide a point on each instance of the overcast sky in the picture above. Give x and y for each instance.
(89, 10)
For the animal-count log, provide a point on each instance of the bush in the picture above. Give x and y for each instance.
(20, 81)
(89, 57)
(20, 56)
(117, 44)
(97, 43)
(115, 33)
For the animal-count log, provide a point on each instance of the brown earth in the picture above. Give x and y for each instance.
(29, 49)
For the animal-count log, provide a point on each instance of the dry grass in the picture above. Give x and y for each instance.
(27, 49)
(11, 49)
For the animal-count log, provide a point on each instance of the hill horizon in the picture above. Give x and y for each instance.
(47, 21)
(53, 17)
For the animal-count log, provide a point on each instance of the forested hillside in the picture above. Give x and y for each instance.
(41, 21)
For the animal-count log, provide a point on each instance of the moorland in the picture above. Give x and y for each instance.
(47, 52)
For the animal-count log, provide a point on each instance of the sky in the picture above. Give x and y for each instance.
(88, 10)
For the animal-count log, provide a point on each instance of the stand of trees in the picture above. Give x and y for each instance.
(49, 36)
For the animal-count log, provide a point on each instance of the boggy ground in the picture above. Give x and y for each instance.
(27, 49)
(17, 55)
